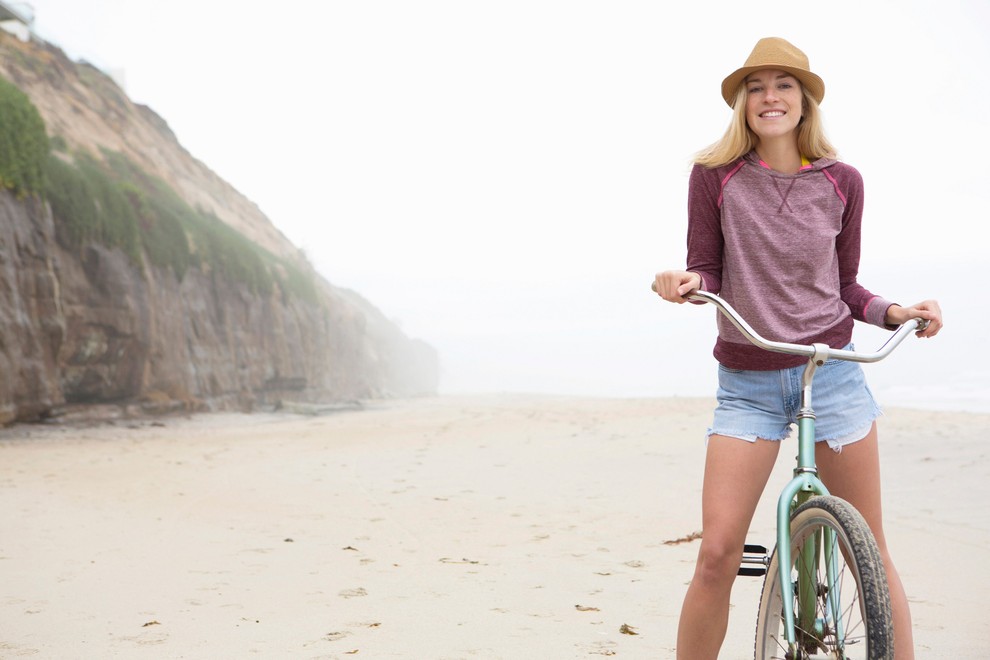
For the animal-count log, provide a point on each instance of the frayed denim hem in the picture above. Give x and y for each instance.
(748, 437)
(854, 436)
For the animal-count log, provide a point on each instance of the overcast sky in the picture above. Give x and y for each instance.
(504, 178)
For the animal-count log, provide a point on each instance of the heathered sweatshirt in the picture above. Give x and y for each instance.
(783, 250)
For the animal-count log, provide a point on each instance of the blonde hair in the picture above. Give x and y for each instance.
(739, 139)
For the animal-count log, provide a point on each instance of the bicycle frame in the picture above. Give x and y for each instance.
(805, 483)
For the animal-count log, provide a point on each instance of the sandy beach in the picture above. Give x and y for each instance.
(445, 528)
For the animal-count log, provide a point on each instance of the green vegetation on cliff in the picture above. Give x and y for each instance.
(23, 142)
(113, 202)
(89, 207)
(118, 204)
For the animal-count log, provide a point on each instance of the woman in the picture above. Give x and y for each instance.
(774, 228)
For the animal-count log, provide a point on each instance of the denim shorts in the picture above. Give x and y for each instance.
(764, 404)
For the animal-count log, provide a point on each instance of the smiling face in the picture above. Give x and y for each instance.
(773, 104)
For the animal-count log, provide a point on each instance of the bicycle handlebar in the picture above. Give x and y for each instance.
(809, 351)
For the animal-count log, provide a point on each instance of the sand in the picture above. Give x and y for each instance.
(445, 528)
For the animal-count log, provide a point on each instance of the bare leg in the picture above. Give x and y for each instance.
(736, 472)
(854, 475)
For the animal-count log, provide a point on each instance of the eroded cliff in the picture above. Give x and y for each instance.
(89, 324)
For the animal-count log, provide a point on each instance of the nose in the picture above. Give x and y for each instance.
(771, 95)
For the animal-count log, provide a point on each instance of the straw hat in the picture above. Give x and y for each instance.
(775, 53)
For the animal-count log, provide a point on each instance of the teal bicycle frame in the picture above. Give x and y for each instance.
(806, 482)
(802, 487)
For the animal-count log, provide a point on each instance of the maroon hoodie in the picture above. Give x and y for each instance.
(783, 250)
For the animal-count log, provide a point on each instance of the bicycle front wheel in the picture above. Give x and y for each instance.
(851, 619)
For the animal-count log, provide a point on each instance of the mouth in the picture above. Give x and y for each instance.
(772, 114)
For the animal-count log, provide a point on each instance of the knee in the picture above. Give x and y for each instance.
(718, 561)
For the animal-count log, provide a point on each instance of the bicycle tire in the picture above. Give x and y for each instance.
(862, 580)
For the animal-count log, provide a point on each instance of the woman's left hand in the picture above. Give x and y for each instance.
(928, 310)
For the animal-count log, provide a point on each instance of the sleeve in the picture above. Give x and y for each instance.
(864, 305)
(704, 237)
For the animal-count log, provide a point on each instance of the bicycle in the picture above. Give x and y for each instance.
(825, 591)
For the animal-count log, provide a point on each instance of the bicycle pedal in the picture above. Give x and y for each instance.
(751, 572)
(756, 556)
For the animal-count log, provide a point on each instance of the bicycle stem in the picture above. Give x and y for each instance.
(807, 412)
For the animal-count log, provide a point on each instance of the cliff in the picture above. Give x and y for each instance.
(84, 322)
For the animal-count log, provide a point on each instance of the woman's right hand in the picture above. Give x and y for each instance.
(673, 285)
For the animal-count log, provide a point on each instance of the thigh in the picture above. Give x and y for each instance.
(736, 472)
(854, 475)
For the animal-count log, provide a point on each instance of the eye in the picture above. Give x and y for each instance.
(754, 89)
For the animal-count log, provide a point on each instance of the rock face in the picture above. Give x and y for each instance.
(91, 326)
